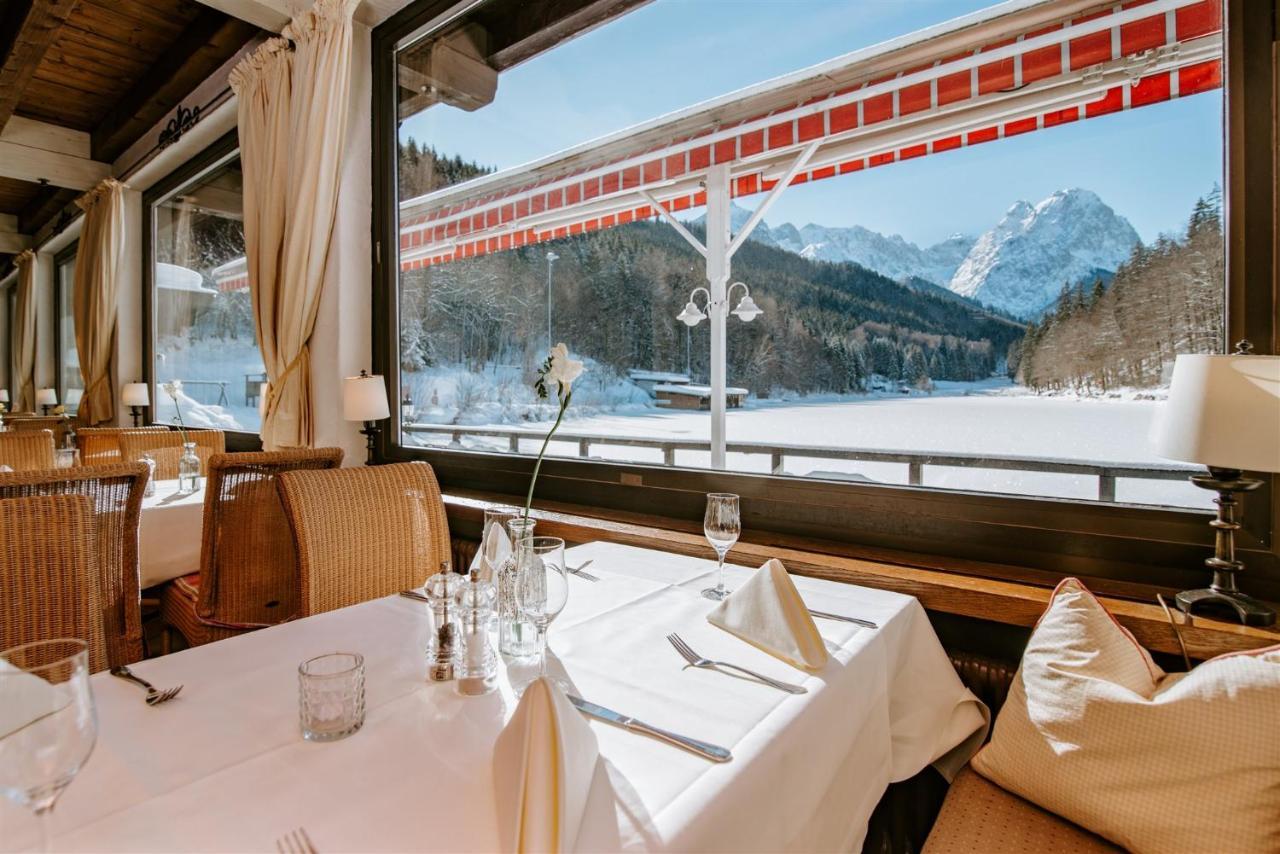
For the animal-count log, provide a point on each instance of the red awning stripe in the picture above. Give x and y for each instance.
(1043, 86)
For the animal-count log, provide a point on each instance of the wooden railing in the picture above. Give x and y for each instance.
(1107, 473)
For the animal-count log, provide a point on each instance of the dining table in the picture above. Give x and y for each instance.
(223, 766)
(169, 533)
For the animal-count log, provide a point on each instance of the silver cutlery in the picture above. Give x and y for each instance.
(295, 842)
(578, 571)
(857, 621)
(696, 660)
(704, 749)
(415, 595)
(154, 697)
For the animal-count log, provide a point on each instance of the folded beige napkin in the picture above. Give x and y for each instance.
(495, 549)
(543, 764)
(767, 612)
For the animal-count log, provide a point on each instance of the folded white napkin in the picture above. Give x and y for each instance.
(543, 764)
(767, 612)
(494, 549)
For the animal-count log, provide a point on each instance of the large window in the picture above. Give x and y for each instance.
(70, 380)
(989, 245)
(201, 316)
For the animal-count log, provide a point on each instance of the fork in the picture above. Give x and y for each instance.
(154, 697)
(696, 660)
(579, 571)
(295, 842)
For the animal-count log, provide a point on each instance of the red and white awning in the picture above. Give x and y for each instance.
(1012, 69)
(231, 276)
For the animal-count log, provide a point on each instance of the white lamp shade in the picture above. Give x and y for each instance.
(4, 395)
(135, 394)
(364, 398)
(47, 397)
(1222, 411)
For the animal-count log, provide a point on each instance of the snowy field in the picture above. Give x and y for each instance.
(991, 417)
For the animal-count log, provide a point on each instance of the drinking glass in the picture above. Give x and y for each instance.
(48, 724)
(331, 696)
(65, 458)
(722, 525)
(498, 514)
(542, 587)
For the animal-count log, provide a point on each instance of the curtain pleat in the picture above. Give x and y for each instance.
(294, 94)
(23, 344)
(93, 297)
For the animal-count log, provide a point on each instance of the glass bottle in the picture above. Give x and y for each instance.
(516, 635)
(477, 666)
(444, 647)
(188, 470)
(150, 462)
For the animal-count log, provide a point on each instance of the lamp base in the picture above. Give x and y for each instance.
(136, 412)
(1222, 592)
(370, 432)
(1248, 610)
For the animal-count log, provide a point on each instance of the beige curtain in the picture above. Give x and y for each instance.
(22, 342)
(93, 297)
(293, 118)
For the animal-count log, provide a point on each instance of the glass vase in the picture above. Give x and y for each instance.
(517, 636)
(188, 470)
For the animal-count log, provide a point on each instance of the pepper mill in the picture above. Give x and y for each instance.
(477, 667)
(442, 654)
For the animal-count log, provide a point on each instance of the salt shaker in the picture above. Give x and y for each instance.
(477, 666)
(444, 649)
(150, 462)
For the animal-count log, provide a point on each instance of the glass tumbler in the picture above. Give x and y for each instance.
(66, 458)
(331, 696)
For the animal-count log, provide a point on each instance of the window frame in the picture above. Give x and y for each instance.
(1123, 544)
(59, 261)
(213, 156)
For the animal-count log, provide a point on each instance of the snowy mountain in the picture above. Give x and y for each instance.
(1021, 265)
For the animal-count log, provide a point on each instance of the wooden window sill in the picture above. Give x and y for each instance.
(1004, 594)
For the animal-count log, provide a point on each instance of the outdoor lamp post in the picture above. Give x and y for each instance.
(364, 398)
(746, 309)
(552, 257)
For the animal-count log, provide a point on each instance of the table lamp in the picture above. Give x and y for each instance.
(4, 399)
(364, 398)
(1223, 412)
(136, 396)
(46, 399)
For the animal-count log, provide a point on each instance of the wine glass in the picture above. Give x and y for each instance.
(48, 724)
(723, 525)
(542, 587)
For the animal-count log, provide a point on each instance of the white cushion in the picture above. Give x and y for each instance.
(1095, 731)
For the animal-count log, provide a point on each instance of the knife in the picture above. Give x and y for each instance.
(708, 751)
(827, 615)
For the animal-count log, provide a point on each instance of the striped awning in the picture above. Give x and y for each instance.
(1015, 68)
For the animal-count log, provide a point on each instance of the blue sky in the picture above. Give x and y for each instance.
(1149, 164)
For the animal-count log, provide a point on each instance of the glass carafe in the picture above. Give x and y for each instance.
(517, 636)
(188, 469)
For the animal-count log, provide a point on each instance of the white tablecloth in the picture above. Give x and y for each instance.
(169, 530)
(223, 766)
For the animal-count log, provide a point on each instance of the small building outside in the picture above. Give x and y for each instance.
(688, 396)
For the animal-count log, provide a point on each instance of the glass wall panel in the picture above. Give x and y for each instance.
(203, 321)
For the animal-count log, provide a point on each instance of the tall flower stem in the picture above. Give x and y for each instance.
(533, 481)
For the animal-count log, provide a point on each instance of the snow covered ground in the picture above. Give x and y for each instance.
(991, 417)
(200, 363)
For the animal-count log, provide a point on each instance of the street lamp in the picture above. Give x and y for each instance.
(746, 310)
(552, 257)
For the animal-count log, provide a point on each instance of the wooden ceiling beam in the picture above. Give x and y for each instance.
(197, 53)
(25, 45)
(541, 26)
(41, 212)
(268, 14)
(11, 240)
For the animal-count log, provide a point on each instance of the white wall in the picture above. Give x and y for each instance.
(46, 321)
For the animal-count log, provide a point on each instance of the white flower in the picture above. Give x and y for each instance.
(173, 388)
(562, 369)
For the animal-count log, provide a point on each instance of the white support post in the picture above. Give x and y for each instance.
(717, 278)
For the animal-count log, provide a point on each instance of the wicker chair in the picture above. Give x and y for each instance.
(49, 573)
(165, 447)
(59, 425)
(115, 493)
(248, 576)
(101, 445)
(27, 451)
(366, 532)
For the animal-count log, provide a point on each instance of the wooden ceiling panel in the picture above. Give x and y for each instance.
(16, 195)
